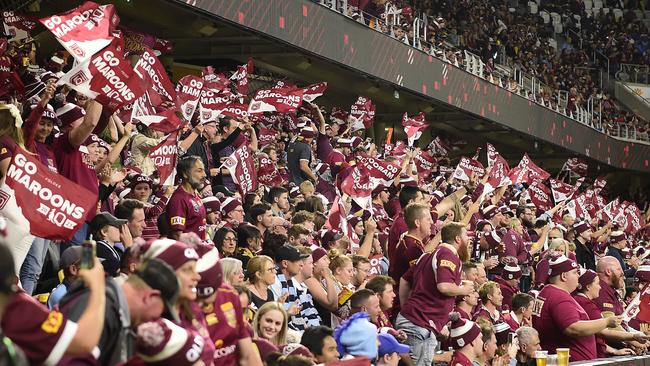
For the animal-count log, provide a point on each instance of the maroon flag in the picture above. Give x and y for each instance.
(149, 108)
(363, 110)
(634, 219)
(213, 80)
(599, 184)
(17, 26)
(540, 195)
(313, 91)
(188, 93)
(577, 165)
(283, 84)
(266, 136)
(381, 171)
(212, 102)
(106, 77)
(283, 100)
(242, 169)
(236, 110)
(135, 42)
(268, 173)
(439, 147)
(337, 217)
(54, 206)
(165, 156)
(466, 167)
(562, 191)
(424, 163)
(492, 154)
(498, 173)
(358, 186)
(413, 126)
(240, 77)
(527, 172)
(84, 30)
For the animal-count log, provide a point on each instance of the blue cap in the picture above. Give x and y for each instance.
(388, 344)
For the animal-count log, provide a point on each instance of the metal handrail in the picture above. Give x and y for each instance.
(634, 69)
(473, 64)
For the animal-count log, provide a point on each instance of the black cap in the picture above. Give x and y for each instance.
(104, 218)
(160, 276)
(70, 256)
(289, 253)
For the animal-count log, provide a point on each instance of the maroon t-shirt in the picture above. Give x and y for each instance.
(609, 300)
(46, 156)
(427, 307)
(73, 162)
(43, 335)
(510, 320)
(554, 311)
(459, 359)
(186, 213)
(198, 324)
(7, 147)
(225, 322)
(514, 246)
(491, 317)
(541, 273)
(593, 312)
(463, 314)
(407, 252)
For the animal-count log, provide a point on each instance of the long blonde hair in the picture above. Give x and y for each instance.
(281, 337)
(8, 127)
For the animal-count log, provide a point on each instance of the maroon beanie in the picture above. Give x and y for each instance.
(462, 332)
(559, 263)
(69, 113)
(162, 342)
(211, 274)
(586, 278)
(172, 252)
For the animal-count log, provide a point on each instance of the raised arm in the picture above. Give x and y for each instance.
(79, 134)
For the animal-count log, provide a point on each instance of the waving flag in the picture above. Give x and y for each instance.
(242, 169)
(283, 100)
(466, 167)
(165, 156)
(240, 77)
(527, 172)
(414, 127)
(563, 191)
(188, 92)
(363, 111)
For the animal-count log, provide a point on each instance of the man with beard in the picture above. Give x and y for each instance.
(185, 209)
(425, 312)
(611, 279)
(527, 217)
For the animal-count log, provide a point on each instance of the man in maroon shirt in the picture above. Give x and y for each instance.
(611, 279)
(509, 283)
(426, 312)
(560, 320)
(411, 246)
(465, 338)
(185, 209)
(45, 336)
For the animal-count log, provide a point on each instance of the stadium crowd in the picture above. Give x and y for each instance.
(506, 32)
(287, 237)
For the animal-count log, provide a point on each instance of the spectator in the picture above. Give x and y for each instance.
(322, 286)
(249, 243)
(390, 350)
(279, 199)
(509, 283)
(106, 229)
(528, 340)
(69, 263)
(488, 336)
(142, 190)
(357, 336)
(270, 323)
(299, 157)
(133, 212)
(465, 305)
(492, 299)
(233, 272)
(366, 301)
(362, 268)
(343, 273)
(260, 273)
(320, 341)
(261, 217)
(612, 278)
(185, 210)
(383, 286)
(225, 240)
(618, 243)
(308, 310)
(584, 247)
(289, 261)
(465, 337)
(186, 346)
(521, 313)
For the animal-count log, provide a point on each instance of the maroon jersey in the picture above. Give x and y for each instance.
(225, 322)
(541, 273)
(484, 313)
(508, 291)
(593, 312)
(463, 314)
(515, 246)
(73, 162)
(459, 359)
(7, 147)
(198, 324)
(43, 335)
(407, 252)
(511, 320)
(46, 156)
(554, 311)
(427, 307)
(186, 213)
(609, 300)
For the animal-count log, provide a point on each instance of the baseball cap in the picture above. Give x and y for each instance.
(70, 256)
(104, 218)
(160, 276)
(388, 344)
(289, 253)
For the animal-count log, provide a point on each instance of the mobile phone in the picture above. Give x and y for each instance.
(88, 253)
(512, 337)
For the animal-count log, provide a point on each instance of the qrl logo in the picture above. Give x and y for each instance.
(77, 50)
(79, 78)
(4, 198)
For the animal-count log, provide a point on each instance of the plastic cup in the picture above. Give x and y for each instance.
(540, 358)
(562, 356)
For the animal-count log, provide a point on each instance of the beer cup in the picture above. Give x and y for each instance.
(562, 356)
(540, 358)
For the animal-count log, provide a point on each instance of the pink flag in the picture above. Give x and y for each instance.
(54, 206)
(337, 217)
(527, 172)
(266, 136)
(540, 195)
(106, 77)
(165, 156)
(281, 100)
(84, 30)
(242, 169)
(466, 167)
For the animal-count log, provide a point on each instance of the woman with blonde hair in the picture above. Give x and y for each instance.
(233, 272)
(270, 323)
(559, 246)
(342, 270)
(261, 273)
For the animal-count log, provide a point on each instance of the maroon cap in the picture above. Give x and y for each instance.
(175, 253)
(617, 236)
(580, 227)
(559, 263)
(209, 268)
(318, 253)
(69, 113)
(328, 236)
(162, 342)
(586, 278)
(229, 204)
(462, 332)
(353, 220)
(489, 211)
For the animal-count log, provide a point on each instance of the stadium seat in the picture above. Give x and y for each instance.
(533, 7)
(605, 10)
(588, 4)
(598, 4)
(553, 43)
(557, 27)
